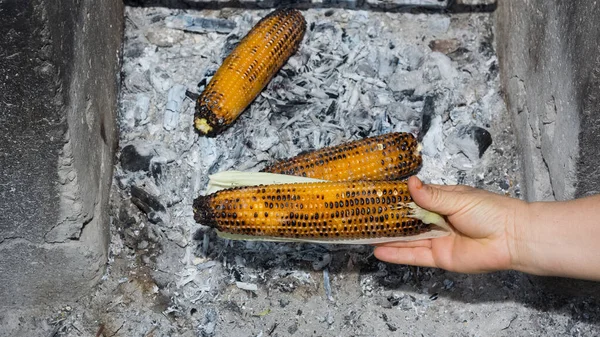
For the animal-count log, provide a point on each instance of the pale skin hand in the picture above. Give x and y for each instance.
(494, 232)
(480, 241)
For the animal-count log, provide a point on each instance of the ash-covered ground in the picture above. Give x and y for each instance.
(357, 74)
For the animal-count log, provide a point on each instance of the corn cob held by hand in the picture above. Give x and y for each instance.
(360, 212)
(248, 69)
(391, 156)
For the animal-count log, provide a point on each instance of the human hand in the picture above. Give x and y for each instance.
(484, 230)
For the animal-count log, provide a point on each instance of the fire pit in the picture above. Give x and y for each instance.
(364, 68)
(356, 74)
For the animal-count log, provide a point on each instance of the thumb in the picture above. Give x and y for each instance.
(444, 200)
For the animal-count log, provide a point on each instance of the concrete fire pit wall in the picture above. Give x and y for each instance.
(550, 66)
(59, 85)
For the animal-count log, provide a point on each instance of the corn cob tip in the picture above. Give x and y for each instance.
(203, 213)
(206, 123)
(202, 125)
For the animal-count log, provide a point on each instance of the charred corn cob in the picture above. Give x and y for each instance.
(343, 212)
(387, 157)
(248, 69)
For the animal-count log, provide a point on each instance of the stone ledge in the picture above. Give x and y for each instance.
(550, 70)
(57, 142)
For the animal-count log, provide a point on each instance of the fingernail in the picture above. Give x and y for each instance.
(419, 184)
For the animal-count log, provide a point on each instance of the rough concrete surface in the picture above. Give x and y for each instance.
(58, 94)
(550, 71)
(550, 66)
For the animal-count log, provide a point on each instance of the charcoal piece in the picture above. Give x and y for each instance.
(472, 141)
(461, 54)
(124, 217)
(230, 43)
(134, 50)
(503, 184)
(200, 24)
(393, 300)
(208, 74)
(427, 112)
(145, 201)
(482, 138)
(132, 160)
(331, 109)
(192, 95)
(199, 234)
(293, 328)
(156, 169)
(492, 71)
(486, 47)
(154, 218)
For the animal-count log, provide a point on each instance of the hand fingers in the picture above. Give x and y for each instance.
(445, 200)
(405, 244)
(416, 256)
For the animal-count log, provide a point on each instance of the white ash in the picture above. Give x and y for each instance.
(357, 74)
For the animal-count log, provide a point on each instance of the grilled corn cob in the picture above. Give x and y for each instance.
(387, 157)
(248, 69)
(339, 212)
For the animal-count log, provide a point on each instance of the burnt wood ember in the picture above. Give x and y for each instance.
(132, 160)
